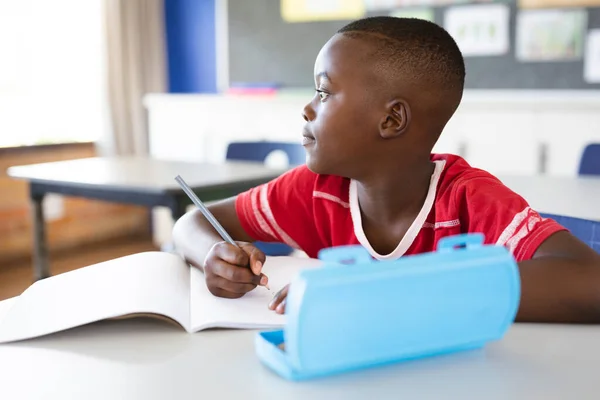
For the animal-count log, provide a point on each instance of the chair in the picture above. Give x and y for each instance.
(590, 160)
(585, 230)
(259, 151)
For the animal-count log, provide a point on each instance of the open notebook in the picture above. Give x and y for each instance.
(154, 284)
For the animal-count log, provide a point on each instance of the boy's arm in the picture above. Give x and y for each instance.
(561, 282)
(560, 275)
(194, 236)
(262, 213)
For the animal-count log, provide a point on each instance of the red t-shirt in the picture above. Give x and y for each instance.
(310, 212)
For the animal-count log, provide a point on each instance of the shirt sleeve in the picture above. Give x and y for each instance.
(281, 210)
(503, 216)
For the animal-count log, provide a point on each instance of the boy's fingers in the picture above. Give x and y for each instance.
(278, 298)
(257, 258)
(256, 266)
(234, 273)
(232, 254)
(281, 307)
(232, 288)
(264, 281)
(218, 292)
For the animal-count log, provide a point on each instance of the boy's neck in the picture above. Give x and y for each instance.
(394, 195)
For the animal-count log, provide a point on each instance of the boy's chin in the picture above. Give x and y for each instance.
(318, 167)
(314, 165)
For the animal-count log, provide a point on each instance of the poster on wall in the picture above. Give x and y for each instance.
(321, 10)
(378, 5)
(421, 13)
(591, 66)
(479, 30)
(550, 35)
(557, 3)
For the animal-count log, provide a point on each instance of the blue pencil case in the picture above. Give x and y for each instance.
(357, 313)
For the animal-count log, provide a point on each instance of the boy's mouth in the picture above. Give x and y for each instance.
(307, 138)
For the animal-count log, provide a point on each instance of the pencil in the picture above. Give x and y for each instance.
(207, 214)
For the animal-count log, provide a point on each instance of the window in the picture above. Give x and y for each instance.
(52, 84)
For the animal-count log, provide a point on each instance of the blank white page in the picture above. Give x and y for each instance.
(5, 306)
(144, 283)
(250, 311)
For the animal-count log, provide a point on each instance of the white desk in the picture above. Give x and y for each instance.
(142, 181)
(147, 359)
(573, 197)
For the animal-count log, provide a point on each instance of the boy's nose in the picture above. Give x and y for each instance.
(308, 113)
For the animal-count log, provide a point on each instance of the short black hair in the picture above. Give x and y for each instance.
(418, 48)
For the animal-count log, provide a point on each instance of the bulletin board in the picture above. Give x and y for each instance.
(263, 48)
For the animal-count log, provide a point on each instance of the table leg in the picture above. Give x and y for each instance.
(177, 207)
(40, 247)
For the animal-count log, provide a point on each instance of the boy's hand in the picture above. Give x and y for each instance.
(232, 272)
(278, 302)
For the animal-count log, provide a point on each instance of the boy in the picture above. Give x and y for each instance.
(385, 89)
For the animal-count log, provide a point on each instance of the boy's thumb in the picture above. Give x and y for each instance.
(257, 259)
(257, 267)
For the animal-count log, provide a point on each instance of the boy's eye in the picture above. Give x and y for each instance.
(322, 95)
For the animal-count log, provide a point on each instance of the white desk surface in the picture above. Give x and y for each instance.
(147, 359)
(574, 197)
(143, 173)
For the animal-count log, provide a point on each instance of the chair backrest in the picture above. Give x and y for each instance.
(586, 230)
(590, 160)
(259, 151)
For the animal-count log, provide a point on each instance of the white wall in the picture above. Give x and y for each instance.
(501, 131)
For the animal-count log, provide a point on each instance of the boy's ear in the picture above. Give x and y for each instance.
(396, 119)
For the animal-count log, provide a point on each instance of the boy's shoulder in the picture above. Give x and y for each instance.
(458, 176)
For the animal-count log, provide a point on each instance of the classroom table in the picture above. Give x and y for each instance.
(571, 196)
(149, 359)
(141, 181)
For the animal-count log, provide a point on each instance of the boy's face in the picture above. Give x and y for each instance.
(341, 134)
